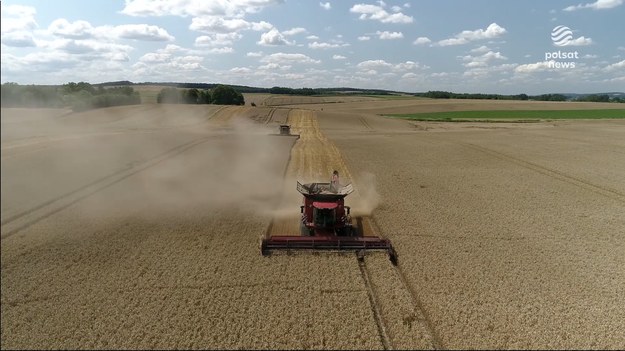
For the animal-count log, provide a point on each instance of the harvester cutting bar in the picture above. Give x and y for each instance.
(328, 243)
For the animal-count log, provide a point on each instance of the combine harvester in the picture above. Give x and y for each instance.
(326, 224)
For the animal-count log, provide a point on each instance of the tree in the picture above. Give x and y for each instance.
(168, 96)
(224, 95)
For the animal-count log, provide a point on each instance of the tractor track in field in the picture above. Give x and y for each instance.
(365, 123)
(48, 209)
(561, 176)
(373, 302)
(270, 115)
(422, 315)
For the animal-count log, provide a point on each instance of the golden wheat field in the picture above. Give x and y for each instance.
(139, 227)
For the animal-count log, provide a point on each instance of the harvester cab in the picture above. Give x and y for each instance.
(285, 130)
(326, 224)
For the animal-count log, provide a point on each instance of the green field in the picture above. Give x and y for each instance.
(510, 116)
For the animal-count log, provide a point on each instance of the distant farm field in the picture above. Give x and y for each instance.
(459, 116)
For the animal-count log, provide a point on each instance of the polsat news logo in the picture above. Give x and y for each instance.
(561, 36)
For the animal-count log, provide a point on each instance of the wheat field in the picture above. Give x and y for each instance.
(139, 227)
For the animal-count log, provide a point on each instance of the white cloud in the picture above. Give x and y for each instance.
(389, 35)
(533, 67)
(312, 37)
(281, 58)
(153, 57)
(273, 38)
(374, 64)
(317, 45)
(18, 18)
(325, 5)
(85, 47)
(222, 50)
(377, 13)
(618, 66)
(294, 31)
(18, 39)
(142, 32)
(481, 49)
(84, 30)
(466, 36)
(195, 8)
(255, 54)
(597, 5)
(241, 70)
(364, 38)
(482, 60)
(219, 39)
(338, 57)
(422, 41)
(75, 30)
(581, 41)
(214, 24)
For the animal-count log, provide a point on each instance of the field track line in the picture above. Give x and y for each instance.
(365, 123)
(423, 316)
(597, 189)
(377, 315)
(99, 184)
(270, 115)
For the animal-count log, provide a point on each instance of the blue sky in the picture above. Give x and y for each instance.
(496, 46)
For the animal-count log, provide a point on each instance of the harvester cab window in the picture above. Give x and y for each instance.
(324, 217)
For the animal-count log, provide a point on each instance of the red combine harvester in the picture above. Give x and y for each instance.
(326, 224)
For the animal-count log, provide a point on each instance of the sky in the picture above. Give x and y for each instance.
(477, 46)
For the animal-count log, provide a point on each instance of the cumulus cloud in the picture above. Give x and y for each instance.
(18, 18)
(325, 5)
(219, 39)
(281, 58)
(581, 41)
(482, 60)
(155, 57)
(195, 8)
(214, 24)
(481, 49)
(294, 31)
(374, 64)
(86, 47)
(18, 39)
(84, 30)
(241, 70)
(422, 41)
(74, 30)
(597, 5)
(533, 67)
(273, 38)
(364, 38)
(378, 13)
(338, 57)
(386, 35)
(618, 66)
(142, 32)
(492, 31)
(317, 45)
(255, 54)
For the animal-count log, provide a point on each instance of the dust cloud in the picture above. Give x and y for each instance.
(155, 160)
(366, 198)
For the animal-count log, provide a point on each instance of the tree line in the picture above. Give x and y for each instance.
(79, 96)
(220, 95)
(543, 97)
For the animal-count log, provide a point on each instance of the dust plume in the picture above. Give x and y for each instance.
(366, 198)
(152, 160)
